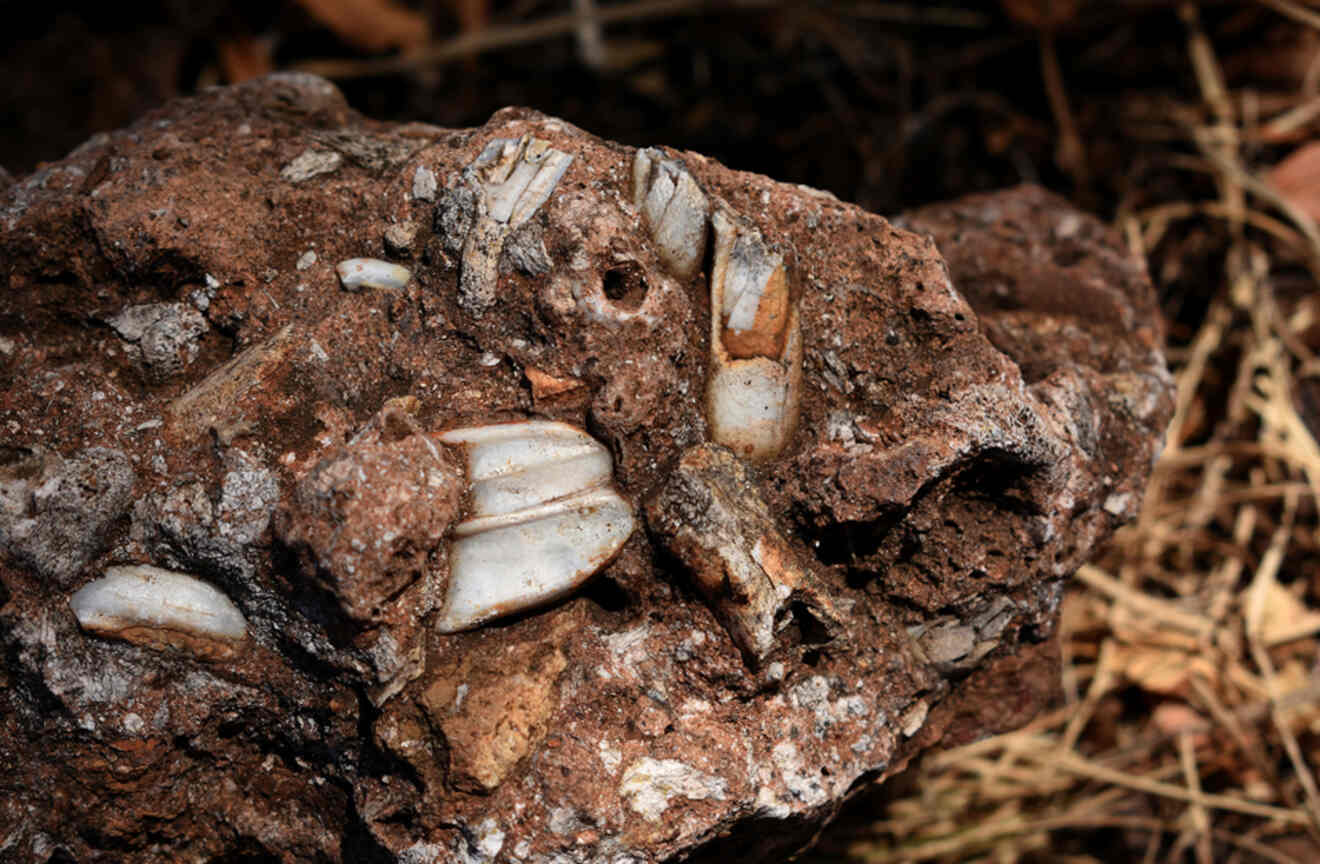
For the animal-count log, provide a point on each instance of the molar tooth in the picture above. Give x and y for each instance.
(755, 388)
(358, 273)
(674, 209)
(544, 519)
(150, 606)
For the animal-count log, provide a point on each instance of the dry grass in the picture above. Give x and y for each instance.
(1192, 708)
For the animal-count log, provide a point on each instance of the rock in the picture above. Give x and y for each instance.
(56, 515)
(963, 403)
(162, 338)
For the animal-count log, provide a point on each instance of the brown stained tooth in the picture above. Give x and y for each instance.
(769, 301)
(754, 392)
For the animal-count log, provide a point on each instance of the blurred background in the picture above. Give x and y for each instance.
(1187, 725)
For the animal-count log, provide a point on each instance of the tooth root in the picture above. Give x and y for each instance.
(674, 209)
(754, 393)
(544, 519)
(160, 608)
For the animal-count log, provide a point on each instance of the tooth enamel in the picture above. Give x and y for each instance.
(755, 387)
(513, 177)
(674, 209)
(544, 518)
(160, 608)
(358, 273)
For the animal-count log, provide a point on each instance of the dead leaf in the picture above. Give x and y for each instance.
(1285, 618)
(244, 58)
(1042, 14)
(1297, 178)
(1176, 718)
(1161, 670)
(373, 25)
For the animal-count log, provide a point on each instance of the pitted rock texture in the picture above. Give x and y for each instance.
(185, 384)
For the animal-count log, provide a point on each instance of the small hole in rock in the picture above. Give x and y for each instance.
(625, 286)
(607, 594)
(812, 630)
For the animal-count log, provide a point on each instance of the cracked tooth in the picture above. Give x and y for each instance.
(513, 177)
(674, 209)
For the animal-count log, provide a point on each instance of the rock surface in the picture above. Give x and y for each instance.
(185, 384)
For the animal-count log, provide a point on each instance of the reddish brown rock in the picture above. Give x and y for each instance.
(981, 397)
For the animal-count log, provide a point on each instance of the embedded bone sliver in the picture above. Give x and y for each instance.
(674, 209)
(544, 519)
(160, 608)
(513, 178)
(358, 273)
(755, 389)
(710, 517)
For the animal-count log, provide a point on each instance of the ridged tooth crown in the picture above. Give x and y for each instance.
(150, 606)
(674, 209)
(544, 518)
(754, 392)
(517, 176)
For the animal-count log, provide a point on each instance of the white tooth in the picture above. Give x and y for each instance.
(155, 607)
(513, 177)
(358, 273)
(544, 519)
(755, 388)
(516, 176)
(748, 403)
(517, 465)
(674, 209)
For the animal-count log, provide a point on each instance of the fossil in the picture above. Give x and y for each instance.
(358, 273)
(755, 388)
(159, 608)
(544, 517)
(710, 516)
(674, 209)
(513, 177)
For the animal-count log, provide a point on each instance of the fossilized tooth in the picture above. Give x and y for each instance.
(755, 389)
(518, 175)
(513, 178)
(544, 518)
(160, 608)
(709, 516)
(358, 273)
(674, 209)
